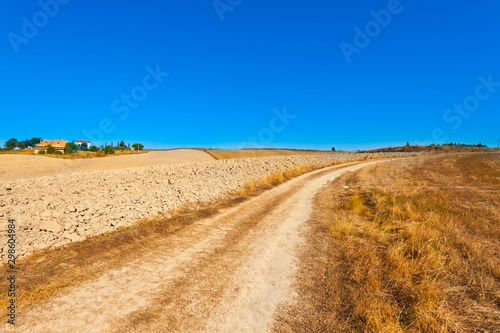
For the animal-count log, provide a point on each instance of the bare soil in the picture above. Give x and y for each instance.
(222, 154)
(17, 166)
(229, 273)
(51, 211)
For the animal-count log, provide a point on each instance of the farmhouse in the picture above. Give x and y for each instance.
(81, 142)
(58, 145)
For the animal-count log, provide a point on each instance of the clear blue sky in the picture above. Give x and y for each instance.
(67, 71)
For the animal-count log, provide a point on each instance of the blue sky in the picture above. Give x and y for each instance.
(251, 73)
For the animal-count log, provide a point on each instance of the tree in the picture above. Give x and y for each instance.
(480, 145)
(50, 149)
(11, 143)
(122, 144)
(84, 146)
(138, 146)
(68, 149)
(33, 141)
(94, 148)
(333, 148)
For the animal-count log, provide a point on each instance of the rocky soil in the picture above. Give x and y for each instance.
(54, 210)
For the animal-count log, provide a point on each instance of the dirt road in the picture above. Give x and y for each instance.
(229, 273)
(29, 166)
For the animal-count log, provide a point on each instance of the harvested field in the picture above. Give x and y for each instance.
(222, 154)
(16, 166)
(56, 210)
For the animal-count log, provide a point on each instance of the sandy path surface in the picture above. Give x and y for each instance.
(229, 273)
(29, 166)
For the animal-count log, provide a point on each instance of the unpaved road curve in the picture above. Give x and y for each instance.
(224, 274)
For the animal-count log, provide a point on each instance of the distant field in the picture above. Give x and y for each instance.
(15, 166)
(223, 154)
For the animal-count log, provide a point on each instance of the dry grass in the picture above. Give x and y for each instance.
(17, 152)
(223, 154)
(411, 246)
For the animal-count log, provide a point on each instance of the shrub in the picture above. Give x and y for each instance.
(94, 148)
(41, 152)
(50, 149)
(58, 152)
(109, 150)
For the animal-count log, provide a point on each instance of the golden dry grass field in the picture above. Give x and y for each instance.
(411, 245)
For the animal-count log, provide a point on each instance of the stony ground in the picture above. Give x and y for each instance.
(55, 210)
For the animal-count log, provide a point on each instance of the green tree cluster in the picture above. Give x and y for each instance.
(13, 143)
(138, 146)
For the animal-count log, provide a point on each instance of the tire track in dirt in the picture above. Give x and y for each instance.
(226, 274)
